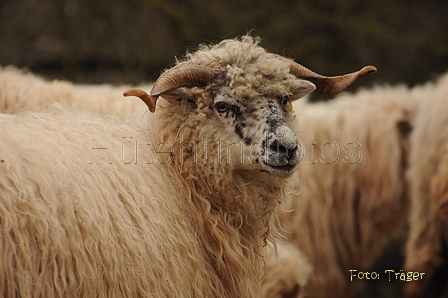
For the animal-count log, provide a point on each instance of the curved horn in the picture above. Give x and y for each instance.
(327, 85)
(186, 74)
(150, 101)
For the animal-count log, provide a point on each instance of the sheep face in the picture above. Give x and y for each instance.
(263, 124)
(248, 118)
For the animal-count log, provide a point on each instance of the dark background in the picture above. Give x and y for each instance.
(132, 41)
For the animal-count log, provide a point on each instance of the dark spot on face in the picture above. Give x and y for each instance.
(272, 123)
(251, 110)
(239, 128)
(237, 111)
(273, 108)
(239, 131)
(240, 124)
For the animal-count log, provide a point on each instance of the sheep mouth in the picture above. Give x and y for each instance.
(284, 170)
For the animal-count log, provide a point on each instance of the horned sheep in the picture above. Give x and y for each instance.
(287, 274)
(164, 205)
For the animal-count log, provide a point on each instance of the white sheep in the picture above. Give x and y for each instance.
(288, 268)
(353, 194)
(23, 90)
(167, 205)
(427, 246)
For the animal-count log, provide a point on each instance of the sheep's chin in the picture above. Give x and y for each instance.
(281, 171)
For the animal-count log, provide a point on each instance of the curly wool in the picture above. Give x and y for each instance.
(74, 229)
(251, 71)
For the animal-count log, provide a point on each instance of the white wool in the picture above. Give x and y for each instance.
(426, 248)
(20, 90)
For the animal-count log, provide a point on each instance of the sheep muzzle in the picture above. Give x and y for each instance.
(281, 152)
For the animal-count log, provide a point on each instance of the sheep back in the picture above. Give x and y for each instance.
(21, 90)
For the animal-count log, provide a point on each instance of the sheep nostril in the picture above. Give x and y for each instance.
(290, 152)
(287, 150)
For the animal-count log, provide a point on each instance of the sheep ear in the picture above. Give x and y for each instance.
(302, 89)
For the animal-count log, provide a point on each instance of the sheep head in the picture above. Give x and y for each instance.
(248, 92)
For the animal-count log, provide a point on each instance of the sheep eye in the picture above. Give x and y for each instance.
(221, 106)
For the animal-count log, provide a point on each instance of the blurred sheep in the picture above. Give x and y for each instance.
(427, 247)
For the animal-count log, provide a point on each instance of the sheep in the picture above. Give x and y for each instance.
(20, 90)
(104, 100)
(166, 205)
(426, 249)
(353, 191)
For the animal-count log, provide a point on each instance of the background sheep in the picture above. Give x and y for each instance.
(427, 250)
(353, 192)
(21, 90)
(128, 225)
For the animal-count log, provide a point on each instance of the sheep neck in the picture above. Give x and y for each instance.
(238, 215)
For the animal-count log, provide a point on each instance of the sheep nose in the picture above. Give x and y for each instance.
(284, 149)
